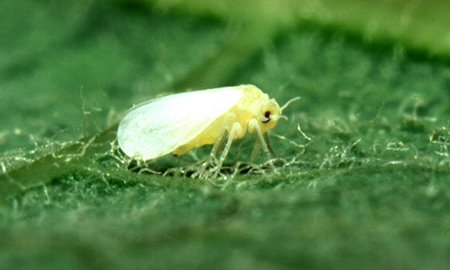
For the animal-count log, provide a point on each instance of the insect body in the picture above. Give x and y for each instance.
(177, 123)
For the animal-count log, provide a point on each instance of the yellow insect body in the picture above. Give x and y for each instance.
(178, 123)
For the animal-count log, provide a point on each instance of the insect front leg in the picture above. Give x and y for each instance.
(254, 125)
(258, 145)
(255, 150)
(266, 139)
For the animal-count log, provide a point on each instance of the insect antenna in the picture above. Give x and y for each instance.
(289, 102)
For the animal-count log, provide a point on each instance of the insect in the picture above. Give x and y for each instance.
(180, 122)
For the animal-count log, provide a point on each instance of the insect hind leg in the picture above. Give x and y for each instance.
(228, 123)
(236, 128)
(211, 160)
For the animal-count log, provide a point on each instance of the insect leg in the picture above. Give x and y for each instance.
(255, 150)
(254, 125)
(212, 156)
(229, 118)
(258, 144)
(235, 128)
(266, 138)
(219, 142)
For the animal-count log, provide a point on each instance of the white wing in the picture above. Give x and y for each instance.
(158, 126)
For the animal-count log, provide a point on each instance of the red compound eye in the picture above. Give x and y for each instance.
(266, 117)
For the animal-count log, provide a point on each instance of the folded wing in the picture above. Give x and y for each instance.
(158, 126)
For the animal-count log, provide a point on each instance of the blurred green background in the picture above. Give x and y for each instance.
(364, 163)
